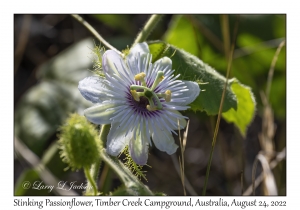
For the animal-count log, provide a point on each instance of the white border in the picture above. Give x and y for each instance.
(149, 7)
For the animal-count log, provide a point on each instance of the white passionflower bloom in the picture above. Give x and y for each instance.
(140, 100)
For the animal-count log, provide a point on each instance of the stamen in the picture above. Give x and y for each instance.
(149, 93)
(158, 79)
(161, 78)
(152, 106)
(140, 77)
(168, 95)
(138, 87)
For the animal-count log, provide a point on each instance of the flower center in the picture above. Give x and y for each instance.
(146, 96)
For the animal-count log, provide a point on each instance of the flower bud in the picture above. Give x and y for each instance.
(79, 142)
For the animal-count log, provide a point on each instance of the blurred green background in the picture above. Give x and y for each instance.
(54, 52)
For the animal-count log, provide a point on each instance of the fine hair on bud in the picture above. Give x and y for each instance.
(79, 142)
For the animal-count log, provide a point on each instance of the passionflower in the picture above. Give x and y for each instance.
(140, 100)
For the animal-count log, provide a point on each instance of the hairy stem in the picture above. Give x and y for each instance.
(95, 33)
(94, 171)
(91, 187)
(149, 26)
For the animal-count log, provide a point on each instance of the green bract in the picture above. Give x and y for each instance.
(78, 142)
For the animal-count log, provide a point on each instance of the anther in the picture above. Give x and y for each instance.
(161, 78)
(141, 77)
(151, 108)
(168, 95)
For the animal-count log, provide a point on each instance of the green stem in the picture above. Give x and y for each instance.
(94, 171)
(226, 34)
(271, 71)
(220, 110)
(117, 166)
(150, 25)
(103, 133)
(91, 187)
(95, 33)
(208, 169)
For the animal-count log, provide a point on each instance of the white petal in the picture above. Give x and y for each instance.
(116, 140)
(165, 64)
(175, 116)
(113, 63)
(190, 95)
(141, 48)
(97, 114)
(91, 88)
(138, 148)
(163, 140)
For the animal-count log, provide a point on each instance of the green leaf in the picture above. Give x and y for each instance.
(192, 68)
(177, 34)
(244, 114)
